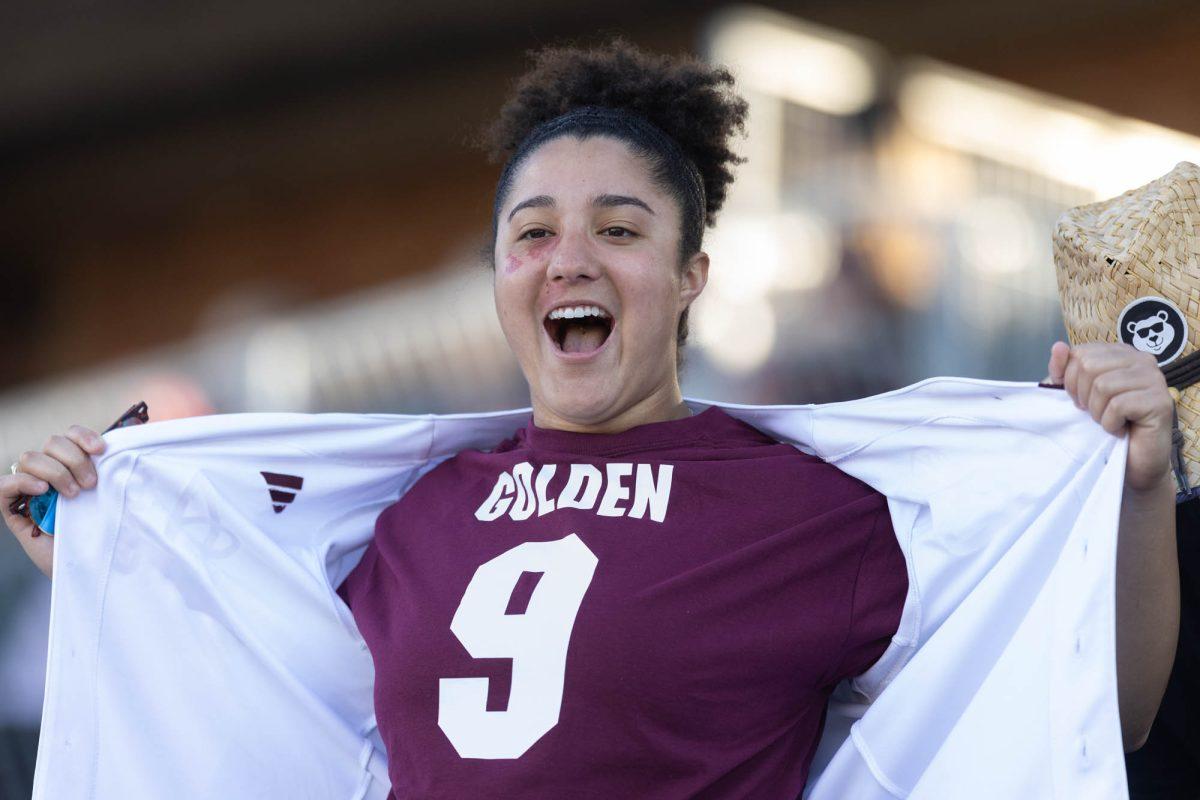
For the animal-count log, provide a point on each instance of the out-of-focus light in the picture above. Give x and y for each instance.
(996, 236)
(903, 258)
(753, 255)
(171, 395)
(745, 256)
(278, 365)
(738, 336)
(1140, 152)
(1069, 142)
(813, 66)
(919, 177)
(810, 251)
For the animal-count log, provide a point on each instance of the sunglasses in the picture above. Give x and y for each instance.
(1155, 328)
(40, 508)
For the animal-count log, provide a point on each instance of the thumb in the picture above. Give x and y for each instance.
(1060, 353)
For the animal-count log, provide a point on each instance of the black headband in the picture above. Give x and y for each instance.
(679, 170)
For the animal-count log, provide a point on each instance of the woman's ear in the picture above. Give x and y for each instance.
(694, 278)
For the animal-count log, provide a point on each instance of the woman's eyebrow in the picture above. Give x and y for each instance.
(540, 201)
(611, 200)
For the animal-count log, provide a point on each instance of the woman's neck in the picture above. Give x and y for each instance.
(664, 404)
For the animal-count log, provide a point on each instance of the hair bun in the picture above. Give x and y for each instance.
(689, 100)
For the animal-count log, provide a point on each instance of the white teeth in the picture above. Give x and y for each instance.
(574, 312)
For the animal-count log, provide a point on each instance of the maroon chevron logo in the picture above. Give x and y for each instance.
(279, 484)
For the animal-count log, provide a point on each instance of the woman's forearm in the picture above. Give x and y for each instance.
(1147, 605)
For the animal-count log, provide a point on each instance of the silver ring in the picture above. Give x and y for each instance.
(13, 468)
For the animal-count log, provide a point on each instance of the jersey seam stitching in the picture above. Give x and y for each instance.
(862, 557)
(930, 420)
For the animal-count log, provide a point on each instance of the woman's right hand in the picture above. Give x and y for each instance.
(65, 463)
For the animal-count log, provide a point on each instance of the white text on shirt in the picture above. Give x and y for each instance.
(519, 494)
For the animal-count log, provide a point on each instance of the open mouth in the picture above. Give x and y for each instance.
(579, 329)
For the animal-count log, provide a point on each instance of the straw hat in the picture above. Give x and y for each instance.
(1129, 271)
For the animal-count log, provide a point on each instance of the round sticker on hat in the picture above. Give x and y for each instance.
(1154, 325)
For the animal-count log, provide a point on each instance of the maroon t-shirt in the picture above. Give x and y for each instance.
(658, 613)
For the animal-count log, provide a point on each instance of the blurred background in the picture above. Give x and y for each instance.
(259, 205)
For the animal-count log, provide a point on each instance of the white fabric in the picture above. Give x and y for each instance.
(198, 648)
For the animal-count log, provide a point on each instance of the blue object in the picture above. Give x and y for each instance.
(42, 510)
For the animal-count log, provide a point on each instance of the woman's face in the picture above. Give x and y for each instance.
(588, 283)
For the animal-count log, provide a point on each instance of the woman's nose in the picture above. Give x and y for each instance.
(573, 260)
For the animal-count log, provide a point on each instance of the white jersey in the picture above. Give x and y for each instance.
(198, 648)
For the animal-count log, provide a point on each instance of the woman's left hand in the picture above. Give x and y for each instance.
(1120, 385)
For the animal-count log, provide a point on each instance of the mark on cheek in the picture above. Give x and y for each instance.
(540, 248)
(534, 250)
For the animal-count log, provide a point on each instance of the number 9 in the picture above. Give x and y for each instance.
(536, 641)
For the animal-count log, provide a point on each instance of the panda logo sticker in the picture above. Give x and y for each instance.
(1154, 325)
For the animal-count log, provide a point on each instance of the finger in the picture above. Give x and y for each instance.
(87, 439)
(75, 459)
(20, 483)
(1091, 360)
(1084, 378)
(1108, 385)
(1121, 409)
(1059, 353)
(1105, 355)
(12, 486)
(1071, 378)
(50, 470)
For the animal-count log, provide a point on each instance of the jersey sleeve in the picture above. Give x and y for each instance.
(880, 589)
(359, 577)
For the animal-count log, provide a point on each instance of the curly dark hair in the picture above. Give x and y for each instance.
(690, 101)
(677, 112)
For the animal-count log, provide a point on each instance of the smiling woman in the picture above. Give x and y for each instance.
(615, 161)
(592, 303)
